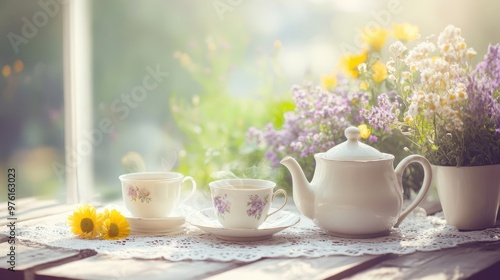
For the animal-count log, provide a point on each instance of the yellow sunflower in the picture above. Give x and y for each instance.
(115, 226)
(103, 216)
(84, 222)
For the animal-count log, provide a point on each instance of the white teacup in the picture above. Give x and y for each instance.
(154, 194)
(243, 203)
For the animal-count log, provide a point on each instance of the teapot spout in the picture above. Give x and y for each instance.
(303, 194)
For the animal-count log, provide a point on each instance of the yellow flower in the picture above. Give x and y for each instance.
(328, 81)
(84, 222)
(364, 131)
(462, 46)
(103, 216)
(379, 71)
(363, 85)
(184, 58)
(375, 38)
(115, 226)
(405, 32)
(18, 66)
(349, 63)
(6, 70)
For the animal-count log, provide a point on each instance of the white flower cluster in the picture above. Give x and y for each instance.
(433, 77)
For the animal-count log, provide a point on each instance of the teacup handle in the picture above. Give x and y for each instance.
(280, 191)
(193, 188)
(425, 184)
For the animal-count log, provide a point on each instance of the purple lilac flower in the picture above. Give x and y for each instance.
(483, 83)
(481, 116)
(490, 66)
(383, 114)
(316, 124)
(372, 139)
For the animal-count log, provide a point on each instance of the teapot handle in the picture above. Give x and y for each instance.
(425, 184)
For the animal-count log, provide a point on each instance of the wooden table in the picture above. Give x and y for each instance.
(470, 261)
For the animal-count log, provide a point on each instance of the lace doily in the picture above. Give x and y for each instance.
(417, 233)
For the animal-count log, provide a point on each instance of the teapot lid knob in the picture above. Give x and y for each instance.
(352, 149)
(352, 133)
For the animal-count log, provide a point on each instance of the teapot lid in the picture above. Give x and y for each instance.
(352, 149)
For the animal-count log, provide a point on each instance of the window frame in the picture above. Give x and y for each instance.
(77, 100)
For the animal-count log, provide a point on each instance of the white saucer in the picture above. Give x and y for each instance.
(149, 226)
(206, 220)
(154, 225)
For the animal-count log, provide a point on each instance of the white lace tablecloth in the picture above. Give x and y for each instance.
(417, 233)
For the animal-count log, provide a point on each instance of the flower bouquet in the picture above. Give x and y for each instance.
(451, 113)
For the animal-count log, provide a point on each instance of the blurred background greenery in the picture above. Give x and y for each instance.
(230, 63)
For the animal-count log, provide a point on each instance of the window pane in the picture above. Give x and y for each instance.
(31, 98)
(134, 75)
(230, 66)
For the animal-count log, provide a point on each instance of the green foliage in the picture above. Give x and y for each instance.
(474, 146)
(215, 131)
(215, 121)
(211, 131)
(279, 112)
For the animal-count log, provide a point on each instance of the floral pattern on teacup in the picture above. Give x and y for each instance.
(222, 206)
(257, 205)
(137, 194)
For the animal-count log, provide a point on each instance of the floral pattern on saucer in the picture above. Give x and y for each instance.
(137, 194)
(257, 205)
(222, 205)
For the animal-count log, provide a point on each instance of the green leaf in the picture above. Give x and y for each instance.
(278, 112)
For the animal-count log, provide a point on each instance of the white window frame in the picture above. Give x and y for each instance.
(77, 100)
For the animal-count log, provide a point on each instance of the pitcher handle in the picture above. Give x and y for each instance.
(425, 184)
(193, 188)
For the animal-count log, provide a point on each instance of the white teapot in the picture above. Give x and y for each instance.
(355, 192)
